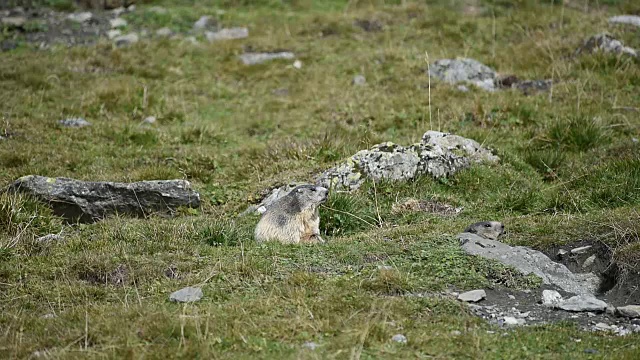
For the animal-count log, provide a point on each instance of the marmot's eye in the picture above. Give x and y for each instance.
(487, 225)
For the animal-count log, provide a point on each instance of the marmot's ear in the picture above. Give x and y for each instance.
(471, 230)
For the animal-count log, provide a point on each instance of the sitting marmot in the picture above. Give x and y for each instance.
(491, 230)
(293, 218)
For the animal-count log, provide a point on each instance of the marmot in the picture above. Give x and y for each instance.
(293, 218)
(491, 230)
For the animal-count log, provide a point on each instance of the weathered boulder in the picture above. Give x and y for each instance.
(454, 71)
(259, 58)
(605, 43)
(438, 154)
(583, 302)
(631, 311)
(528, 261)
(86, 201)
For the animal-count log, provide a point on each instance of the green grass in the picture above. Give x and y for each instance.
(568, 171)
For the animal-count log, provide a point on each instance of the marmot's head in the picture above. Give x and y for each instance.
(486, 229)
(310, 194)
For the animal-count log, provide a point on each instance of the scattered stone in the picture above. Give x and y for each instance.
(630, 311)
(118, 23)
(82, 17)
(48, 316)
(118, 11)
(112, 34)
(551, 298)
(589, 262)
(456, 333)
(74, 122)
(635, 140)
(164, 32)
(625, 19)
(149, 120)
(605, 43)
(259, 58)
(439, 155)
(227, 34)
(188, 294)
(131, 8)
(463, 88)
(602, 327)
(510, 320)
(86, 201)
(50, 238)
(359, 80)
(128, 39)
(13, 22)
(562, 253)
(399, 338)
(157, 10)
(511, 297)
(204, 22)
(297, 64)
(472, 296)
(581, 250)
(581, 303)
(528, 261)
(464, 70)
(385, 267)
(310, 345)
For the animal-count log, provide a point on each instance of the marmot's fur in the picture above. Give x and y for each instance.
(491, 230)
(293, 218)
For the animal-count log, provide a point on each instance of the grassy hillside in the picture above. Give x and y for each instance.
(570, 171)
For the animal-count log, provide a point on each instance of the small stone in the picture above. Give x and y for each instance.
(610, 310)
(204, 22)
(149, 120)
(74, 122)
(456, 333)
(227, 34)
(297, 64)
(511, 297)
(164, 32)
(82, 17)
(188, 294)
(562, 253)
(524, 314)
(589, 262)
(590, 351)
(551, 298)
(118, 23)
(13, 21)
(128, 39)
(625, 19)
(581, 250)
(634, 140)
(112, 34)
(118, 11)
(463, 88)
(192, 40)
(49, 316)
(590, 314)
(385, 267)
(581, 303)
(259, 58)
(50, 238)
(157, 10)
(399, 338)
(359, 80)
(472, 296)
(630, 311)
(310, 345)
(131, 8)
(511, 321)
(602, 327)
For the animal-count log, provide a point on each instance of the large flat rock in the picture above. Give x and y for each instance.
(87, 201)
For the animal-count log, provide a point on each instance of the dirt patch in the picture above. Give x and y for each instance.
(429, 206)
(118, 276)
(619, 286)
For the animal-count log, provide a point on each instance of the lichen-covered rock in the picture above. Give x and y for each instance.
(86, 201)
(438, 155)
(464, 70)
(605, 43)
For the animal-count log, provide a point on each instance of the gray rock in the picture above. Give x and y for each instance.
(49, 316)
(438, 155)
(118, 23)
(625, 19)
(74, 122)
(589, 262)
(399, 338)
(630, 311)
(528, 261)
(259, 58)
(359, 80)
(456, 333)
(128, 39)
(204, 22)
(511, 321)
(472, 296)
(82, 17)
(581, 303)
(602, 327)
(164, 32)
(50, 238)
(185, 295)
(227, 34)
(463, 88)
(118, 11)
(562, 253)
(157, 10)
(581, 250)
(454, 71)
(149, 120)
(86, 201)
(112, 34)
(310, 345)
(13, 22)
(551, 298)
(511, 297)
(605, 43)
(635, 140)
